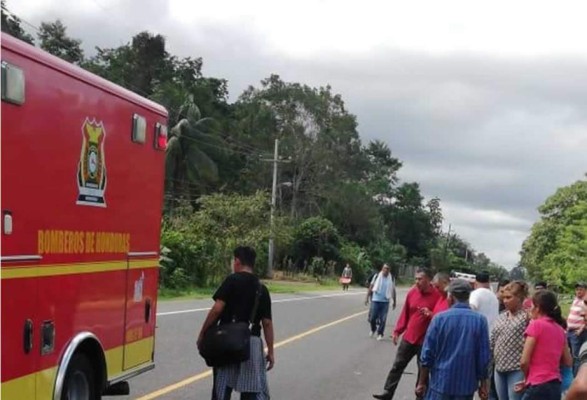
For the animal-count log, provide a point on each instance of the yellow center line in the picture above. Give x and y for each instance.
(208, 373)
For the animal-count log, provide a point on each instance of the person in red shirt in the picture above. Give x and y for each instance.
(440, 282)
(412, 324)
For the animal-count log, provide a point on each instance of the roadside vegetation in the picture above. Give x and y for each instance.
(556, 249)
(340, 197)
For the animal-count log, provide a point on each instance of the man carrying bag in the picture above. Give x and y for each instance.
(240, 301)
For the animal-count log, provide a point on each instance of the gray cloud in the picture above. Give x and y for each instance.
(492, 137)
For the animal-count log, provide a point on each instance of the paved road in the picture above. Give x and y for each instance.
(324, 351)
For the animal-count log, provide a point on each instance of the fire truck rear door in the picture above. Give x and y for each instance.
(138, 338)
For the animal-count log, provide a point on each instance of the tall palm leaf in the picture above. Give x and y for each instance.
(189, 160)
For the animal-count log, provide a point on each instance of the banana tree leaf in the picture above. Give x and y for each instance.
(193, 113)
(207, 124)
(184, 128)
(172, 158)
(199, 164)
(175, 131)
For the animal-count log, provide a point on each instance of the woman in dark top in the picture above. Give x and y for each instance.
(234, 301)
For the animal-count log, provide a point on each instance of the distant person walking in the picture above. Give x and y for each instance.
(381, 291)
(412, 324)
(576, 332)
(507, 340)
(455, 355)
(346, 277)
(545, 349)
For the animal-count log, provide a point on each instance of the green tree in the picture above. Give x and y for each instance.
(316, 237)
(189, 167)
(353, 212)
(408, 222)
(11, 24)
(385, 252)
(380, 170)
(555, 250)
(138, 65)
(315, 130)
(201, 243)
(53, 38)
(435, 213)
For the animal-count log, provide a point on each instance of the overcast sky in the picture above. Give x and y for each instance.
(484, 102)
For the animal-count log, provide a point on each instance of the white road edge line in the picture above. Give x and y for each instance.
(162, 314)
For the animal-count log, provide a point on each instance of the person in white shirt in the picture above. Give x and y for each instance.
(484, 301)
(381, 291)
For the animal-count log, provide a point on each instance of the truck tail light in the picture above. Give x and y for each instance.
(160, 136)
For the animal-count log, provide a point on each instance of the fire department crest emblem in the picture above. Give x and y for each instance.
(91, 171)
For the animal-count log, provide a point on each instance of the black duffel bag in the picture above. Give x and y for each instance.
(229, 343)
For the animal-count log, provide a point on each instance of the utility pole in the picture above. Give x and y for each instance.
(272, 218)
(271, 252)
(447, 241)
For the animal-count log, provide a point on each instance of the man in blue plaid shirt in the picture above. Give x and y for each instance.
(456, 354)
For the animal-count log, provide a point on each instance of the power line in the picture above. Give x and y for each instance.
(202, 142)
(13, 15)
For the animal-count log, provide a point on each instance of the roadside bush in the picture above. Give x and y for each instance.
(386, 252)
(317, 267)
(200, 244)
(188, 254)
(316, 237)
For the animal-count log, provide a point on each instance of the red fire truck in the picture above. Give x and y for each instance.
(82, 191)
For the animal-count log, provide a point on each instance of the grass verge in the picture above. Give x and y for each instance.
(274, 286)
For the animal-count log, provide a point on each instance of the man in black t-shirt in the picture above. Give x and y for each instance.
(234, 301)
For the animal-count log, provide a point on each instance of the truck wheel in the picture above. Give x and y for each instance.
(80, 380)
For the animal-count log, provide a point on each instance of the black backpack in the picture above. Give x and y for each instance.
(370, 278)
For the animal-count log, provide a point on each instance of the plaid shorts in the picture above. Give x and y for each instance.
(247, 377)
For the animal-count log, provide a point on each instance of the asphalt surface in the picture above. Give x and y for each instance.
(324, 351)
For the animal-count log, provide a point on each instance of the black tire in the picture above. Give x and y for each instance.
(80, 380)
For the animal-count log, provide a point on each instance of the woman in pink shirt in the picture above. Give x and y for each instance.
(545, 349)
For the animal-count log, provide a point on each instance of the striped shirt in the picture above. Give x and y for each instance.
(576, 318)
(456, 350)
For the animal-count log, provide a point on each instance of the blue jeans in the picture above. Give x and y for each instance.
(575, 342)
(492, 389)
(504, 384)
(545, 391)
(378, 313)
